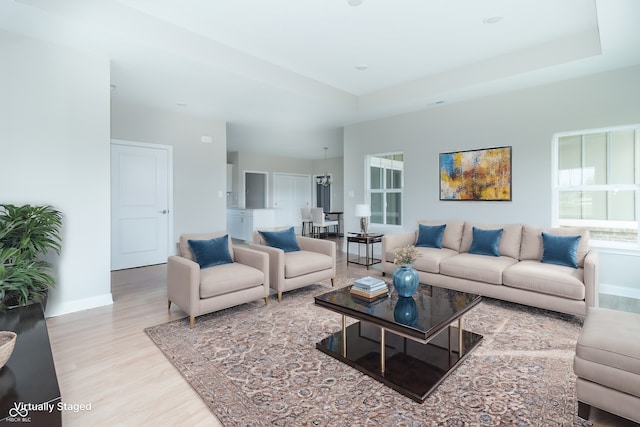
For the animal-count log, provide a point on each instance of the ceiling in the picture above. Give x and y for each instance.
(285, 74)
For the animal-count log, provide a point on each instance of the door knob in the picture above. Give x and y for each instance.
(164, 211)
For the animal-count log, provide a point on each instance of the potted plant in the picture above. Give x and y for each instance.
(27, 234)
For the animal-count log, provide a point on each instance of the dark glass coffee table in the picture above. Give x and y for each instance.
(409, 344)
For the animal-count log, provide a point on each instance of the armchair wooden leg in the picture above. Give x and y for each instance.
(169, 305)
(192, 320)
(332, 282)
(279, 296)
(266, 300)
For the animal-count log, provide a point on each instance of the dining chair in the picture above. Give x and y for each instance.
(319, 223)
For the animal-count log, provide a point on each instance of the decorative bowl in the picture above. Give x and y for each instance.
(7, 342)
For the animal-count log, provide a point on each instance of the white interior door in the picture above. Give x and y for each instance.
(291, 192)
(140, 199)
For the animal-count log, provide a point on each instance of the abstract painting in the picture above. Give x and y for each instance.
(476, 175)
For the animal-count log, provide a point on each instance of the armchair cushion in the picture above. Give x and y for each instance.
(305, 262)
(212, 252)
(226, 278)
(184, 250)
(285, 239)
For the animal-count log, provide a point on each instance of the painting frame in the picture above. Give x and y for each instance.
(476, 175)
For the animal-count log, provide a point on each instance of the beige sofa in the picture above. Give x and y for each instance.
(517, 275)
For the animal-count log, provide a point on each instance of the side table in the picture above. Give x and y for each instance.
(368, 240)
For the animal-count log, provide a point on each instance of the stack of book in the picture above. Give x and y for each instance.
(369, 288)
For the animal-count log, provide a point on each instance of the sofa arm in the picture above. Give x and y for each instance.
(591, 278)
(183, 284)
(391, 242)
(256, 259)
(276, 265)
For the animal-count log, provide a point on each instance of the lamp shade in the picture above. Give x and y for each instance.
(363, 210)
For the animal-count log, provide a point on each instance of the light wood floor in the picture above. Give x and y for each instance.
(103, 357)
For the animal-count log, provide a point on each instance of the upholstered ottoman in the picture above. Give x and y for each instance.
(607, 363)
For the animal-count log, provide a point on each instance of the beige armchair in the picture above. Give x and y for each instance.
(200, 291)
(315, 261)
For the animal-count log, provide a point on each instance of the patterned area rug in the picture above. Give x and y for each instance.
(257, 365)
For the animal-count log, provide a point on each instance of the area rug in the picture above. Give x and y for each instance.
(256, 365)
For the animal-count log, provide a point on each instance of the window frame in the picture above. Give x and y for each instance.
(556, 189)
(369, 191)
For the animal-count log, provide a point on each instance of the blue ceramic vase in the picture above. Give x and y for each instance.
(405, 311)
(406, 281)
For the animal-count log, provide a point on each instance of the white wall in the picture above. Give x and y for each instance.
(525, 120)
(54, 136)
(199, 169)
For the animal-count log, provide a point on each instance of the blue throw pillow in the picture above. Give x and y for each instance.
(285, 239)
(485, 242)
(561, 250)
(211, 252)
(430, 236)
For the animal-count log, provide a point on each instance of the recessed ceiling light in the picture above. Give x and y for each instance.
(354, 2)
(492, 19)
(181, 104)
(362, 67)
(113, 87)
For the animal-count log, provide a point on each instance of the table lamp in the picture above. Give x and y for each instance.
(364, 212)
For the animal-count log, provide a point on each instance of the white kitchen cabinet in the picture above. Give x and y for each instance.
(242, 222)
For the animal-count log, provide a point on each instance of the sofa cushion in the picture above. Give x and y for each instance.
(561, 250)
(476, 267)
(430, 236)
(183, 244)
(284, 239)
(532, 247)
(304, 262)
(452, 235)
(552, 279)
(430, 259)
(226, 278)
(211, 252)
(485, 242)
(509, 242)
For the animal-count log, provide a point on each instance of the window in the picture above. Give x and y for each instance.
(385, 177)
(597, 183)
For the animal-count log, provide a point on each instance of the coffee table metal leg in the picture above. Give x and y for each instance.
(450, 342)
(344, 336)
(460, 352)
(382, 346)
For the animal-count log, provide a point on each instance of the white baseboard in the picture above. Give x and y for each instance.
(54, 310)
(621, 291)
